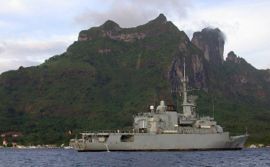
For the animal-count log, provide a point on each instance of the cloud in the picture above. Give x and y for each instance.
(243, 23)
(15, 64)
(12, 6)
(2, 49)
(12, 49)
(31, 31)
(133, 13)
(28, 52)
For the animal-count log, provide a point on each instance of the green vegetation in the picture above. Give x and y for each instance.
(85, 88)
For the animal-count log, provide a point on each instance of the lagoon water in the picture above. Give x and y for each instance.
(66, 158)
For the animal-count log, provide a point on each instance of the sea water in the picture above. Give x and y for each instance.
(60, 157)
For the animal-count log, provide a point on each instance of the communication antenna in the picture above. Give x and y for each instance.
(246, 131)
(213, 108)
(155, 99)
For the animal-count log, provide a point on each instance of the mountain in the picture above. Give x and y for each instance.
(211, 42)
(111, 73)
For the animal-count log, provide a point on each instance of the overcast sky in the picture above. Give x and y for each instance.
(34, 30)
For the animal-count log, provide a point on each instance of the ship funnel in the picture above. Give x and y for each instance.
(162, 103)
(161, 107)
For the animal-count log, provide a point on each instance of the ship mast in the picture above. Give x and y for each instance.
(187, 106)
(184, 81)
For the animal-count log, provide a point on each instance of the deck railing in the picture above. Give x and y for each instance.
(181, 130)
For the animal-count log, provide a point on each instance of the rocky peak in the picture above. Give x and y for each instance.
(231, 57)
(112, 30)
(160, 25)
(231, 54)
(211, 42)
(267, 75)
(110, 25)
(160, 19)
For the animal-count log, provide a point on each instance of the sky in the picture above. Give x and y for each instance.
(31, 31)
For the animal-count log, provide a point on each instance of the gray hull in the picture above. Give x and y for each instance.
(163, 142)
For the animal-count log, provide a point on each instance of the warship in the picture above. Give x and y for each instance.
(164, 129)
